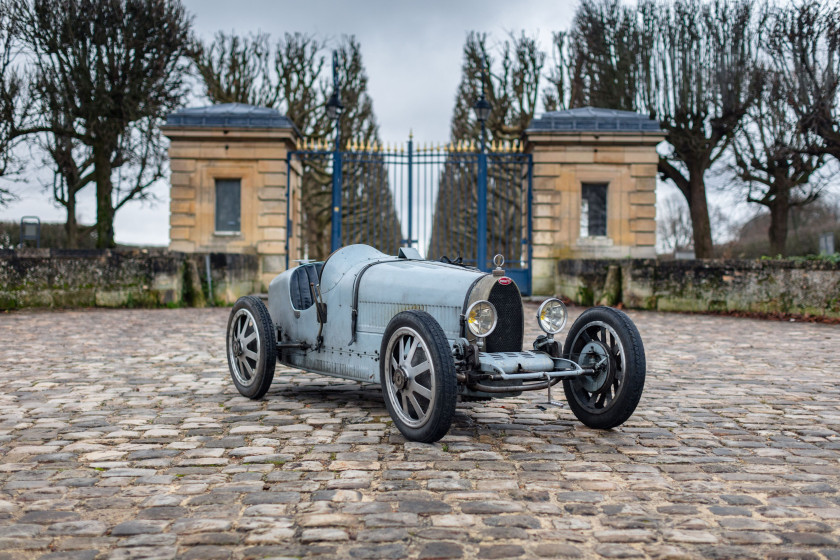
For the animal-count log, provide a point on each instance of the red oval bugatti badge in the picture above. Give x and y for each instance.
(504, 281)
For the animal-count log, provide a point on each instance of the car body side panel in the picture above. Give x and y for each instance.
(392, 287)
(386, 286)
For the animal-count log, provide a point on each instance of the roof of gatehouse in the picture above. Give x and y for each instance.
(229, 115)
(593, 119)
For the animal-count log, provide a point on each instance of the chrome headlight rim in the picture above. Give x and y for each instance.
(545, 304)
(495, 318)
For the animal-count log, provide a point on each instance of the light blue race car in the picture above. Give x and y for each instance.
(430, 332)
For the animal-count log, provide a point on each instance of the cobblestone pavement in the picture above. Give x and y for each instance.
(122, 437)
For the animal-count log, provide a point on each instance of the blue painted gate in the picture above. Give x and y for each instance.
(454, 201)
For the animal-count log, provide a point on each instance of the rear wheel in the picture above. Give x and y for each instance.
(418, 376)
(606, 340)
(251, 347)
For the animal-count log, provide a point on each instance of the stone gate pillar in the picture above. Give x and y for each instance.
(593, 188)
(229, 189)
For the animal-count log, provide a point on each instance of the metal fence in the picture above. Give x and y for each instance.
(442, 200)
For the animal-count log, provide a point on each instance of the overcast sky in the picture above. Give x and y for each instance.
(412, 52)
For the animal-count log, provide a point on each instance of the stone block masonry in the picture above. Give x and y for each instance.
(578, 149)
(768, 286)
(248, 147)
(121, 278)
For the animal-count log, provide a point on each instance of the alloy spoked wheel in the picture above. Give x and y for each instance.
(410, 380)
(251, 347)
(418, 376)
(605, 340)
(244, 347)
(600, 349)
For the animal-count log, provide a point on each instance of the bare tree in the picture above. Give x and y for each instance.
(804, 46)
(770, 156)
(368, 211)
(703, 82)
(72, 167)
(237, 69)
(299, 65)
(510, 73)
(673, 224)
(15, 105)
(111, 70)
(565, 76)
(604, 60)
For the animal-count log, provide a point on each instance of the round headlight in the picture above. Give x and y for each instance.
(552, 316)
(481, 318)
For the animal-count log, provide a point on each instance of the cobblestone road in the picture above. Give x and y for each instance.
(121, 436)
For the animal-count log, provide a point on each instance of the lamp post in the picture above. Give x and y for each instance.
(334, 109)
(482, 111)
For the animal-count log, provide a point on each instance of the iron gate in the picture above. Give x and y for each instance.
(436, 199)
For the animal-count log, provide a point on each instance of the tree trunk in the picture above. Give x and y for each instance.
(71, 226)
(703, 248)
(779, 210)
(104, 204)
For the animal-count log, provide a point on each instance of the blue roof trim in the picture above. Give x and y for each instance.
(229, 115)
(593, 119)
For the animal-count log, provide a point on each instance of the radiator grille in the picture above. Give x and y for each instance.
(508, 334)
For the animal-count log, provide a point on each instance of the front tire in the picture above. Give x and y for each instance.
(417, 375)
(251, 347)
(606, 339)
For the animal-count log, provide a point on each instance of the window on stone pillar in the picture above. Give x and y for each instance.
(593, 210)
(228, 205)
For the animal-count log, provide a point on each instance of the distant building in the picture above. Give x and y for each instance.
(229, 183)
(233, 190)
(594, 193)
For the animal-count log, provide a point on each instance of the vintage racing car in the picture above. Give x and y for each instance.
(430, 332)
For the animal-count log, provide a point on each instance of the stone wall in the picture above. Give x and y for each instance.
(767, 286)
(121, 278)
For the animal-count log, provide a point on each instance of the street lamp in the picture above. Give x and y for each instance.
(334, 108)
(482, 107)
(482, 110)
